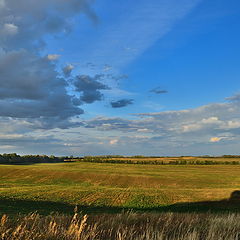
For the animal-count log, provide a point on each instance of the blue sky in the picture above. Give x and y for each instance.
(189, 54)
(158, 77)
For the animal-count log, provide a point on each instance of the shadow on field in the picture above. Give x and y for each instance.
(232, 204)
(14, 206)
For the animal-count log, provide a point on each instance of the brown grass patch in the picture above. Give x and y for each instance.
(124, 226)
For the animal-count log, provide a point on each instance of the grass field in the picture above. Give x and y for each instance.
(113, 187)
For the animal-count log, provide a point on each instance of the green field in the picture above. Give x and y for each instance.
(113, 187)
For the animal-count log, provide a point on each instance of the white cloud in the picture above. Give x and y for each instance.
(215, 139)
(210, 129)
(205, 122)
(113, 141)
(143, 130)
(11, 136)
(211, 120)
(5, 147)
(53, 57)
(233, 124)
(190, 129)
(10, 29)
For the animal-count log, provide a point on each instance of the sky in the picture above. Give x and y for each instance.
(146, 77)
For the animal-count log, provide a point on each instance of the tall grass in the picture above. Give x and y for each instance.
(124, 226)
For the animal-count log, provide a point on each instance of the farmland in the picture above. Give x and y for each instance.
(106, 187)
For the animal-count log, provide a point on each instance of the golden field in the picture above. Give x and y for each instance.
(105, 186)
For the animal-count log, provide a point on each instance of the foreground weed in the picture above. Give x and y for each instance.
(124, 226)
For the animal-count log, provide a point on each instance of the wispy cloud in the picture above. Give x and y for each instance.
(191, 129)
(137, 29)
(209, 129)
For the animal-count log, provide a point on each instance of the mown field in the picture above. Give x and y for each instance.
(105, 187)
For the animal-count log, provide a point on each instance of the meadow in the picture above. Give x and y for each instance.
(106, 187)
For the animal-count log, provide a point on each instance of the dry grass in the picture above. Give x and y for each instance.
(124, 226)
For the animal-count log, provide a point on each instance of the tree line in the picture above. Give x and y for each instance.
(13, 158)
(151, 161)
